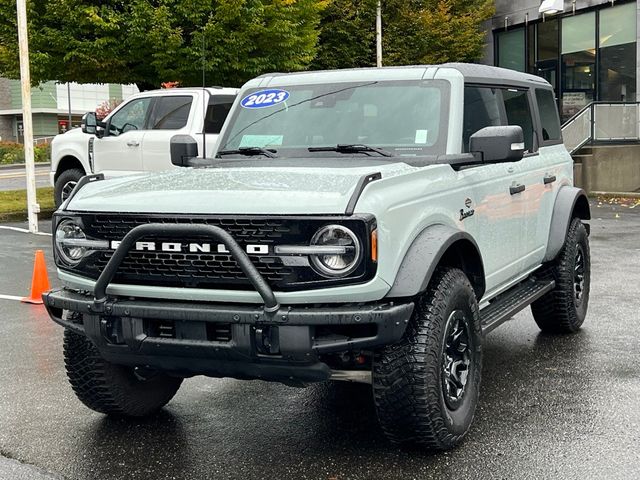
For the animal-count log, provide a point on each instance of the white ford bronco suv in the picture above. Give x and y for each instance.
(135, 137)
(367, 225)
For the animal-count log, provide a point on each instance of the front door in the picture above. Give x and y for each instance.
(119, 152)
(496, 194)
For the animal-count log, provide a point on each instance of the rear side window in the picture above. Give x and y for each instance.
(217, 111)
(171, 113)
(548, 115)
(516, 106)
(481, 109)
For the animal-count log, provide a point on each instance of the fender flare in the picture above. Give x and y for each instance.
(427, 251)
(570, 202)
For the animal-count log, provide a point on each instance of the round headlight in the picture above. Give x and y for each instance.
(67, 234)
(339, 264)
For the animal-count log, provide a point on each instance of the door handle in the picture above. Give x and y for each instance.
(514, 189)
(549, 179)
(133, 143)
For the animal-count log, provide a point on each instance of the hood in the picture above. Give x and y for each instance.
(267, 190)
(73, 133)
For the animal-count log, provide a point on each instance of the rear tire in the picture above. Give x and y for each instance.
(426, 386)
(65, 183)
(564, 308)
(113, 389)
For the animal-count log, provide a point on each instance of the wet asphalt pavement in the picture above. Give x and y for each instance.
(14, 178)
(550, 407)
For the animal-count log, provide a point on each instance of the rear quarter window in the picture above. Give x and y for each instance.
(549, 120)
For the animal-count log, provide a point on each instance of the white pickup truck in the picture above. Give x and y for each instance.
(135, 137)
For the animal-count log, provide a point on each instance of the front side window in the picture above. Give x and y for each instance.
(481, 109)
(171, 113)
(548, 115)
(406, 118)
(132, 116)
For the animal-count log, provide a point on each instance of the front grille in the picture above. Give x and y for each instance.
(213, 270)
(193, 270)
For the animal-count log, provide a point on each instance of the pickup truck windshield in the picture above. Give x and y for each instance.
(404, 118)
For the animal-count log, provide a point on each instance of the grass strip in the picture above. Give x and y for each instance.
(13, 204)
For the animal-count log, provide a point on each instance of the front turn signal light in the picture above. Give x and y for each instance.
(374, 246)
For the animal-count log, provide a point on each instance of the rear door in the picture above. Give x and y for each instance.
(120, 151)
(171, 115)
(546, 171)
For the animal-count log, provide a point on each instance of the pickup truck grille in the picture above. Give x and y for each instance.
(215, 270)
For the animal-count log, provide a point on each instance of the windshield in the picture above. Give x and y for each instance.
(401, 117)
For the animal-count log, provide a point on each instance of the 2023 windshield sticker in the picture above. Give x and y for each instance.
(264, 98)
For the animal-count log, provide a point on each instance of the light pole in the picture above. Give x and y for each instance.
(379, 34)
(25, 81)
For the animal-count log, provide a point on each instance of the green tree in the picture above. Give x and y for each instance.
(347, 35)
(148, 42)
(414, 32)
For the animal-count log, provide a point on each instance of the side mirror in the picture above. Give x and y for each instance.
(183, 149)
(498, 144)
(89, 123)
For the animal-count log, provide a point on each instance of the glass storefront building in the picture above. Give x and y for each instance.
(588, 51)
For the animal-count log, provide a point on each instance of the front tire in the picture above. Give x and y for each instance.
(114, 389)
(65, 183)
(426, 386)
(564, 308)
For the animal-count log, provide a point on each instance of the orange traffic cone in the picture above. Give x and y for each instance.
(39, 281)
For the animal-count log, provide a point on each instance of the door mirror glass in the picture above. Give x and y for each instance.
(183, 149)
(498, 144)
(89, 123)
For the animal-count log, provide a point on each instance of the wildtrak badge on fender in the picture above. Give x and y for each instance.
(347, 232)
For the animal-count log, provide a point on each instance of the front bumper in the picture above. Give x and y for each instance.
(284, 345)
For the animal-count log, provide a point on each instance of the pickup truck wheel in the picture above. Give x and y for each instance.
(114, 389)
(564, 309)
(426, 386)
(65, 183)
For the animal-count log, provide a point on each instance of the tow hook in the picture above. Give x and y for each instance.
(111, 330)
(267, 340)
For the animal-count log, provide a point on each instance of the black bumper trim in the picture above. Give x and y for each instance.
(299, 345)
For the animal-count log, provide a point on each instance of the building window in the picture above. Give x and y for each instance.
(617, 44)
(511, 49)
(578, 62)
(546, 61)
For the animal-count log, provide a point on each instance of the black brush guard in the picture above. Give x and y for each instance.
(270, 342)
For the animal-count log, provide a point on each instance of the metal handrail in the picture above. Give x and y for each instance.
(583, 126)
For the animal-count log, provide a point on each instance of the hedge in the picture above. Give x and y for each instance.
(11, 152)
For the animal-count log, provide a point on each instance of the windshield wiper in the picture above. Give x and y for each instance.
(351, 148)
(249, 151)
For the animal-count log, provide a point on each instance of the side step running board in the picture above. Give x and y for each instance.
(507, 304)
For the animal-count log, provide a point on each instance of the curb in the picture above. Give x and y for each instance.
(615, 194)
(21, 165)
(22, 216)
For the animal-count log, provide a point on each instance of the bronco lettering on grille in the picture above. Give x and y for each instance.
(173, 247)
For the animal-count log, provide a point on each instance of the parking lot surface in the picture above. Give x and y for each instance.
(550, 407)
